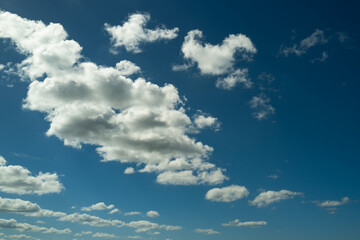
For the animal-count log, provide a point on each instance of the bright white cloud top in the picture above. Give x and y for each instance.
(17, 205)
(215, 59)
(25, 227)
(133, 33)
(266, 198)
(227, 194)
(98, 206)
(333, 203)
(19, 180)
(152, 214)
(132, 121)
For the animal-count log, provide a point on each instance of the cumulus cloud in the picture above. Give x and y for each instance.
(17, 205)
(237, 223)
(131, 121)
(132, 213)
(215, 59)
(188, 178)
(145, 226)
(206, 231)
(329, 203)
(25, 227)
(19, 180)
(227, 194)
(316, 38)
(104, 235)
(129, 170)
(261, 106)
(266, 198)
(202, 121)
(133, 33)
(87, 219)
(127, 68)
(152, 214)
(238, 76)
(115, 210)
(97, 206)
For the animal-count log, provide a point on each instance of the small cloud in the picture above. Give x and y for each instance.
(266, 198)
(238, 76)
(227, 194)
(97, 206)
(115, 210)
(261, 106)
(237, 223)
(152, 214)
(273, 176)
(323, 57)
(129, 170)
(206, 231)
(132, 213)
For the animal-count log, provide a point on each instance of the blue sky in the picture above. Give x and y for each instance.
(179, 120)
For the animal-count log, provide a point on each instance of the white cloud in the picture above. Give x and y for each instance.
(152, 214)
(83, 233)
(215, 59)
(188, 178)
(129, 170)
(90, 220)
(266, 198)
(237, 223)
(98, 206)
(329, 203)
(115, 210)
(19, 180)
(132, 213)
(316, 38)
(238, 76)
(127, 68)
(206, 231)
(323, 57)
(104, 235)
(2, 66)
(261, 106)
(202, 121)
(145, 226)
(227, 194)
(25, 227)
(131, 121)
(133, 33)
(17, 205)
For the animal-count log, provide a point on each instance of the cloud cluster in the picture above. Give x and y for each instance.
(133, 32)
(218, 59)
(237, 223)
(131, 121)
(19, 180)
(25, 227)
(266, 198)
(227, 194)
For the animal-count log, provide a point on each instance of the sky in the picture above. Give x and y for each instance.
(176, 120)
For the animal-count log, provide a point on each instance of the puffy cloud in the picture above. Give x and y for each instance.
(131, 121)
(202, 121)
(152, 214)
(187, 177)
(129, 170)
(238, 76)
(17, 205)
(332, 203)
(132, 213)
(145, 226)
(215, 59)
(98, 206)
(127, 68)
(83, 233)
(206, 231)
(87, 219)
(266, 198)
(316, 38)
(261, 106)
(19, 180)
(25, 227)
(227, 194)
(237, 223)
(115, 210)
(104, 235)
(133, 32)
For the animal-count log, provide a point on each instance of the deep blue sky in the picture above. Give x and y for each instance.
(311, 142)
